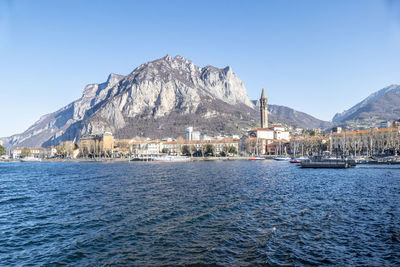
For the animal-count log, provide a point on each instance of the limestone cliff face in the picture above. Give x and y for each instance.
(54, 125)
(168, 88)
(157, 99)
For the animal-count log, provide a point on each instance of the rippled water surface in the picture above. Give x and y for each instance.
(225, 213)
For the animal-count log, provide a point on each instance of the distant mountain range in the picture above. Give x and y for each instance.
(381, 105)
(292, 117)
(163, 97)
(158, 99)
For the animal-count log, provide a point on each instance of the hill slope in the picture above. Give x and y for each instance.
(381, 105)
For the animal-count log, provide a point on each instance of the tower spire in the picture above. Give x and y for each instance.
(264, 110)
(263, 94)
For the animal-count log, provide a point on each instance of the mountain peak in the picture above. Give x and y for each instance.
(167, 57)
(382, 105)
(113, 78)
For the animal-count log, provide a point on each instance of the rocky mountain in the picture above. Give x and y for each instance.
(158, 99)
(381, 105)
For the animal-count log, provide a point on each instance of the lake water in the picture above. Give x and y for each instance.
(219, 213)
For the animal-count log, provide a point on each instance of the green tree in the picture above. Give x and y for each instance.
(165, 150)
(209, 150)
(2, 150)
(61, 151)
(232, 150)
(225, 150)
(26, 152)
(193, 150)
(185, 150)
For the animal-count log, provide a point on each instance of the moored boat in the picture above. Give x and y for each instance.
(171, 159)
(282, 158)
(318, 162)
(298, 160)
(257, 158)
(30, 159)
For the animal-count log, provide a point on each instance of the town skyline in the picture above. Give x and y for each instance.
(48, 58)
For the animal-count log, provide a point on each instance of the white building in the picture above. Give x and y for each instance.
(16, 153)
(386, 124)
(192, 135)
(205, 137)
(145, 148)
(280, 132)
(260, 140)
(155, 147)
(47, 152)
(188, 133)
(264, 133)
(36, 152)
(196, 135)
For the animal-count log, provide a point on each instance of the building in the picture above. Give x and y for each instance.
(146, 148)
(262, 133)
(205, 137)
(108, 142)
(188, 133)
(264, 110)
(68, 149)
(193, 135)
(195, 147)
(96, 145)
(171, 147)
(262, 141)
(219, 146)
(272, 139)
(16, 153)
(47, 152)
(366, 142)
(36, 152)
(196, 135)
(280, 132)
(337, 129)
(386, 124)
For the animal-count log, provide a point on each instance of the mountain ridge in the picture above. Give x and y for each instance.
(157, 99)
(383, 104)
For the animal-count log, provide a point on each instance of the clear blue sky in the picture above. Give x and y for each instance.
(320, 57)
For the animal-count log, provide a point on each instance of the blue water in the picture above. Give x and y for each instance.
(219, 213)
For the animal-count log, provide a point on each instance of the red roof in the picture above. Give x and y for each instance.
(261, 129)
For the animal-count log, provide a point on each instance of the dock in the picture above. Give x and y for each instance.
(325, 164)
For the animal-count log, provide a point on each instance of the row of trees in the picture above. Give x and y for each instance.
(205, 150)
(367, 143)
(309, 145)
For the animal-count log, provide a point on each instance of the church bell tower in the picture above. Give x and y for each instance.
(264, 110)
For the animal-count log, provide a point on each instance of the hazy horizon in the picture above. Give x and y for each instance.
(316, 57)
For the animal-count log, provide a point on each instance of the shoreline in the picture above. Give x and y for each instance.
(193, 159)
